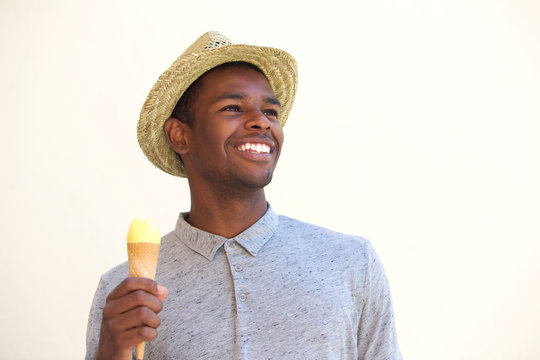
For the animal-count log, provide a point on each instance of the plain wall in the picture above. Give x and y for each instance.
(416, 125)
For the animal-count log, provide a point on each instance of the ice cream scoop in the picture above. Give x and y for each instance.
(143, 240)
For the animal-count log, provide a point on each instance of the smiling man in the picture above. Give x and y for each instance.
(234, 279)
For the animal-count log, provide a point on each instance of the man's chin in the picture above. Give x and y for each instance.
(252, 181)
(259, 183)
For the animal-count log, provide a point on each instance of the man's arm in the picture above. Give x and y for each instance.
(126, 317)
(377, 337)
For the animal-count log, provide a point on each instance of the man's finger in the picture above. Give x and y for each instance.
(131, 284)
(162, 293)
(141, 316)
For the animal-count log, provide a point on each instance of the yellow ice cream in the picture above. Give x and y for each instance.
(143, 230)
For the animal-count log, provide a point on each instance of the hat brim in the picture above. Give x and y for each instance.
(277, 65)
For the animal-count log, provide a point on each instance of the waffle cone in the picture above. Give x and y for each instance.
(142, 259)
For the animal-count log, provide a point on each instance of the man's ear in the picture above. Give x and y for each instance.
(177, 134)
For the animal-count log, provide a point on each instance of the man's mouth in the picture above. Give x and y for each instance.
(256, 148)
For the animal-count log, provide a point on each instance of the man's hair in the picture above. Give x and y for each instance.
(183, 110)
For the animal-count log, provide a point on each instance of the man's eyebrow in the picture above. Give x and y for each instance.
(272, 100)
(229, 96)
(269, 99)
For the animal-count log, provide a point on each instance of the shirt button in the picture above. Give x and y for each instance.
(230, 243)
(238, 268)
(242, 297)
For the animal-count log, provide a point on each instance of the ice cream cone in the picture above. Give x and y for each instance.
(143, 242)
(142, 259)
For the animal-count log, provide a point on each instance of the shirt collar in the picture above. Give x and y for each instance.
(252, 239)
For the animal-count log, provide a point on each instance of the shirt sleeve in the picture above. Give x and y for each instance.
(94, 320)
(377, 339)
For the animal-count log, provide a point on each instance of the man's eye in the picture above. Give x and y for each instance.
(231, 108)
(271, 112)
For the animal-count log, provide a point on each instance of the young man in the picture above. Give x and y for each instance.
(240, 282)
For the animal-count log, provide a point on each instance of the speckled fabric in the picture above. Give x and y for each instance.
(282, 289)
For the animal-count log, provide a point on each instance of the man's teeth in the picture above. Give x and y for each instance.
(257, 148)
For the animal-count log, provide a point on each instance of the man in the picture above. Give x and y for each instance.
(237, 281)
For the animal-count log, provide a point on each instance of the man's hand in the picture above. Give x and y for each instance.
(130, 317)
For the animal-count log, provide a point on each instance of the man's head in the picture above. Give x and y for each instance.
(210, 51)
(226, 128)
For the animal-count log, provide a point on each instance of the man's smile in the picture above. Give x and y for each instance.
(257, 148)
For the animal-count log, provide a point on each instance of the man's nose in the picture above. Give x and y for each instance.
(258, 121)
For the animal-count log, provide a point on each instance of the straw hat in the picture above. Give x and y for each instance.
(210, 50)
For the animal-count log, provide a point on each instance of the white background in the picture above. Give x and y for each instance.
(416, 125)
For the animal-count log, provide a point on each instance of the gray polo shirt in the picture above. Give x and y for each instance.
(282, 289)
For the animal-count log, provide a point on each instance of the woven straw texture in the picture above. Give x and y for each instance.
(210, 50)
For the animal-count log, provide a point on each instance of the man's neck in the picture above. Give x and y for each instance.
(226, 216)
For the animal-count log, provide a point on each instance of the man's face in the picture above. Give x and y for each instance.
(236, 138)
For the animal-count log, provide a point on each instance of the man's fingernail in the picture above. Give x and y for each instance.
(161, 289)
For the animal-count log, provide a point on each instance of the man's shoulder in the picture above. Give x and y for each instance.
(291, 224)
(318, 234)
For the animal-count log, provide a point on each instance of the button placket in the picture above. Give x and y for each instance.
(236, 256)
